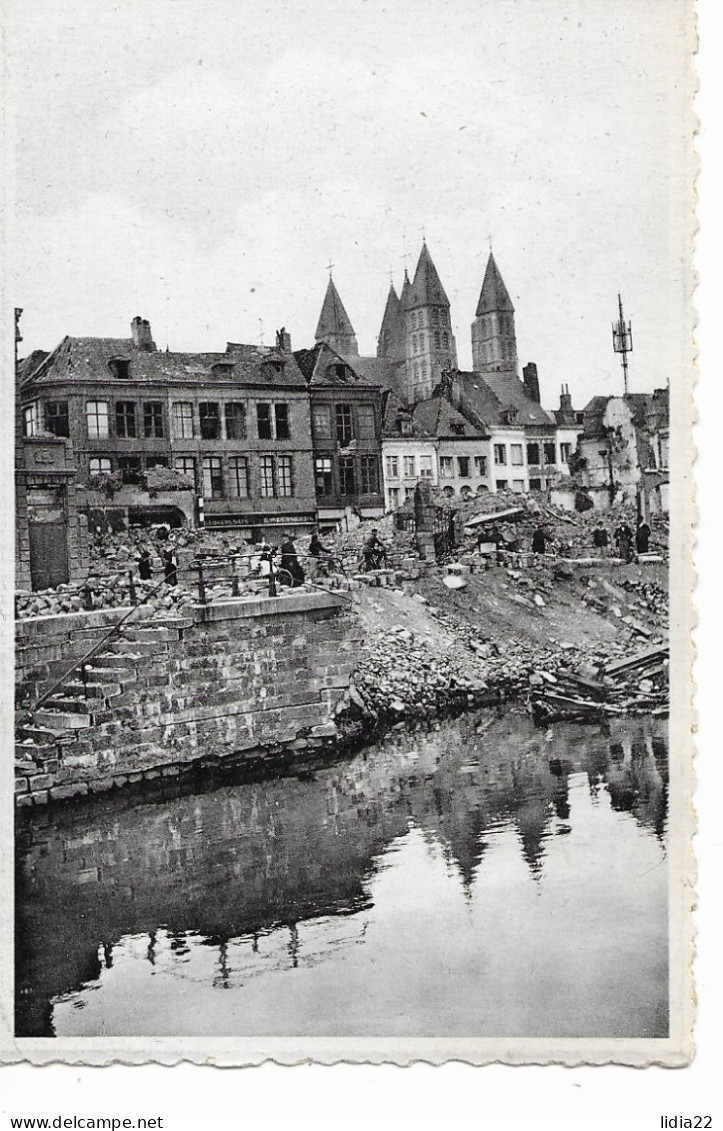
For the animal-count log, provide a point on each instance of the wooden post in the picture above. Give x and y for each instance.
(234, 576)
(201, 585)
(132, 587)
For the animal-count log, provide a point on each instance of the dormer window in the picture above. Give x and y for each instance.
(458, 429)
(222, 368)
(340, 371)
(120, 367)
(405, 426)
(273, 367)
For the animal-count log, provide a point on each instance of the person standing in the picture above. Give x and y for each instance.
(539, 541)
(170, 566)
(642, 537)
(145, 566)
(290, 563)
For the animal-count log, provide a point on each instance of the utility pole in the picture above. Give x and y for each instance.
(623, 341)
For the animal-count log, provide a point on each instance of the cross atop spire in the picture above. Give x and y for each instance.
(330, 267)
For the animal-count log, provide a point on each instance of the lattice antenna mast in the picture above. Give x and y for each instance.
(623, 341)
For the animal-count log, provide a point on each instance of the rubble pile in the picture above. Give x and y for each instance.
(630, 685)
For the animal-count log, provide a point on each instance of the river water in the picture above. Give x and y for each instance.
(475, 877)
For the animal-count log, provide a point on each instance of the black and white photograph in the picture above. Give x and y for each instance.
(352, 708)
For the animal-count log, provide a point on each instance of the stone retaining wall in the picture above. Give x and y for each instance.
(245, 677)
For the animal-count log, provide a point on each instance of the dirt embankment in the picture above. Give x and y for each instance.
(429, 649)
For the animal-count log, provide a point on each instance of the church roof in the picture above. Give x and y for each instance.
(493, 295)
(333, 320)
(426, 287)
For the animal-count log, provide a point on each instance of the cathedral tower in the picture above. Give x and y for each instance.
(335, 326)
(494, 343)
(430, 345)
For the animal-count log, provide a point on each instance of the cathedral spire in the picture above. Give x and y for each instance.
(391, 336)
(335, 326)
(494, 342)
(430, 348)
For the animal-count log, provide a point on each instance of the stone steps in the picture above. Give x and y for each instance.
(62, 720)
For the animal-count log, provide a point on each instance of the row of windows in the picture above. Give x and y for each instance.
(353, 477)
(438, 318)
(230, 477)
(343, 422)
(409, 467)
(446, 466)
(497, 351)
(126, 419)
(440, 341)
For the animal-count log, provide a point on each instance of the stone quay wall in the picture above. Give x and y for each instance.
(241, 678)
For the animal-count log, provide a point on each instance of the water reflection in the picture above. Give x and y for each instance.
(478, 877)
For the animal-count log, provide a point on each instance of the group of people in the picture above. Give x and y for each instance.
(627, 543)
(170, 566)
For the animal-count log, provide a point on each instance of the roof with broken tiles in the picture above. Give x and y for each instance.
(89, 360)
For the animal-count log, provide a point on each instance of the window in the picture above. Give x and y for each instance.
(457, 429)
(518, 485)
(410, 469)
(321, 422)
(324, 482)
(284, 482)
(535, 484)
(98, 465)
(414, 343)
(365, 422)
(212, 477)
(267, 477)
(156, 461)
(56, 418)
(238, 472)
(153, 420)
(446, 468)
(405, 426)
(550, 453)
(120, 367)
(463, 466)
(209, 420)
(413, 321)
(480, 465)
(500, 453)
(31, 419)
(96, 415)
(346, 475)
(187, 466)
(125, 418)
(344, 424)
(369, 475)
(235, 413)
(392, 467)
(445, 341)
(516, 455)
(263, 421)
(437, 339)
(130, 469)
(408, 494)
(565, 453)
(533, 453)
(281, 414)
(421, 342)
(393, 498)
(435, 317)
(501, 484)
(182, 416)
(425, 467)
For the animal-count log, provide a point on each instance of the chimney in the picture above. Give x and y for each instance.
(565, 398)
(531, 382)
(283, 340)
(141, 334)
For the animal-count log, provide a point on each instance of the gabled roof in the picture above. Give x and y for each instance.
(509, 393)
(493, 295)
(86, 359)
(436, 416)
(334, 322)
(394, 408)
(391, 341)
(426, 288)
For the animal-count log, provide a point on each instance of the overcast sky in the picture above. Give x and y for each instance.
(199, 164)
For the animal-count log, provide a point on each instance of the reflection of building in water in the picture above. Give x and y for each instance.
(246, 858)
